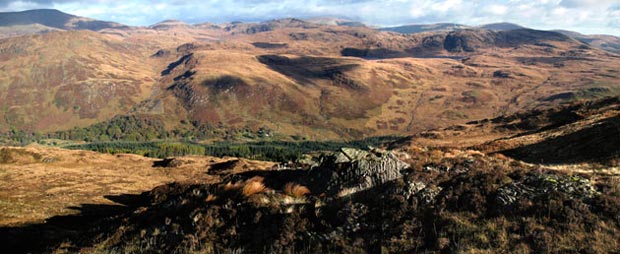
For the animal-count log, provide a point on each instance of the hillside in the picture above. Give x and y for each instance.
(502, 26)
(411, 29)
(293, 78)
(418, 198)
(606, 42)
(386, 84)
(61, 80)
(584, 133)
(54, 19)
(318, 135)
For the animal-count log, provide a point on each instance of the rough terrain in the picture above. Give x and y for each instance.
(313, 79)
(38, 183)
(423, 196)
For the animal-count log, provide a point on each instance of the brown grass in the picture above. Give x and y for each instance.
(254, 187)
(33, 188)
(210, 198)
(296, 190)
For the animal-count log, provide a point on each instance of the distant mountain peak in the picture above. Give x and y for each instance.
(502, 26)
(168, 24)
(419, 28)
(53, 18)
(335, 21)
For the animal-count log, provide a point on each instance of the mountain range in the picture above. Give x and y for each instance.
(321, 78)
(437, 138)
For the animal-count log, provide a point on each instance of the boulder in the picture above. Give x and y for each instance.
(349, 171)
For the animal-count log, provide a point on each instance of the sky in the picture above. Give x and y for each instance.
(585, 16)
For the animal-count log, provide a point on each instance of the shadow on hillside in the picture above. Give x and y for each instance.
(599, 142)
(77, 229)
(173, 65)
(305, 69)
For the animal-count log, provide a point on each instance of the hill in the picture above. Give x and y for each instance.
(583, 133)
(335, 21)
(61, 80)
(502, 26)
(169, 24)
(294, 78)
(438, 198)
(606, 42)
(313, 91)
(410, 29)
(53, 18)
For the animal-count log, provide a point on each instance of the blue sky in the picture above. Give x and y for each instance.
(586, 16)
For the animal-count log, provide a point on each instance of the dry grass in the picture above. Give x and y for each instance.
(210, 198)
(296, 190)
(253, 187)
(33, 190)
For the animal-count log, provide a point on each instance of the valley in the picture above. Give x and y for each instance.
(314, 135)
(305, 79)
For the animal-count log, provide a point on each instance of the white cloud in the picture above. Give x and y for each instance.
(497, 9)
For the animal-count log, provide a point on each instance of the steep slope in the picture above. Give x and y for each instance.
(585, 133)
(61, 80)
(470, 40)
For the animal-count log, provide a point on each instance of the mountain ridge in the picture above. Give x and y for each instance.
(293, 77)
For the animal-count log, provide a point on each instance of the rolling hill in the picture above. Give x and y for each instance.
(502, 26)
(46, 19)
(313, 80)
(410, 29)
(61, 80)
(385, 85)
(606, 42)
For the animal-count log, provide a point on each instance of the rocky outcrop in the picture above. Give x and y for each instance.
(351, 170)
(537, 185)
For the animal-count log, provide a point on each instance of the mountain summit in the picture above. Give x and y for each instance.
(54, 19)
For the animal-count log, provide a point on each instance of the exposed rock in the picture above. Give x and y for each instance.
(427, 195)
(413, 188)
(308, 161)
(168, 163)
(509, 194)
(501, 74)
(575, 186)
(351, 170)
